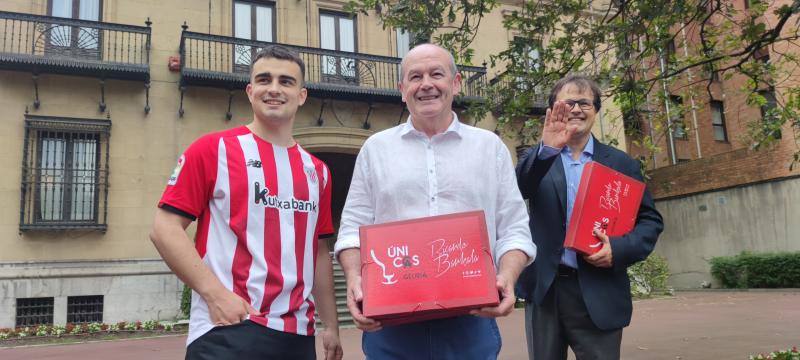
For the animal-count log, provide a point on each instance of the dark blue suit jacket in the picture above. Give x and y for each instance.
(606, 291)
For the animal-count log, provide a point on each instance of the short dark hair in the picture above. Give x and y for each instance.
(281, 53)
(580, 81)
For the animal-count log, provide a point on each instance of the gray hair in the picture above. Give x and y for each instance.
(453, 67)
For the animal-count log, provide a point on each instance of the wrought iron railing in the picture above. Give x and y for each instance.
(512, 85)
(222, 61)
(46, 44)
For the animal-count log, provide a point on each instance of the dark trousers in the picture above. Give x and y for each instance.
(248, 340)
(562, 321)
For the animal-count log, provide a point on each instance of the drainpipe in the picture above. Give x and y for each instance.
(691, 97)
(670, 139)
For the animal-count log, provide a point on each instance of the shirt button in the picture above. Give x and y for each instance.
(430, 171)
(430, 147)
(433, 198)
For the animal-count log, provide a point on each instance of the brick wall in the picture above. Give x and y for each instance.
(730, 169)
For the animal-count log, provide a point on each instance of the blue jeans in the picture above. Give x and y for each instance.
(464, 337)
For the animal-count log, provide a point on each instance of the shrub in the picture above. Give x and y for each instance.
(649, 276)
(94, 327)
(186, 301)
(790, 354)
(58, 330)
(149, 325)
(765, 270)
(41, 330)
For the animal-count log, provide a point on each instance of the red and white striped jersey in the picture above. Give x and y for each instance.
(261, 208)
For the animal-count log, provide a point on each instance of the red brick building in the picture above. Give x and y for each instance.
(718, 195)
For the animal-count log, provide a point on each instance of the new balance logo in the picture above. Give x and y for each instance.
(254, 163)
(262, 197)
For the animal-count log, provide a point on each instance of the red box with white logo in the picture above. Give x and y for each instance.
(427, 268)
(606, 200)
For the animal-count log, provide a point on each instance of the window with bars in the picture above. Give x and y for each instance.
(64, 174)
(85, 309)
(34, 311)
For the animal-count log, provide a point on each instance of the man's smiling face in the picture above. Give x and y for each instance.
(429, 83)
(275, 90)
(582, 119)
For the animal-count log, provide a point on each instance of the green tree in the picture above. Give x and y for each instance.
(635, 48)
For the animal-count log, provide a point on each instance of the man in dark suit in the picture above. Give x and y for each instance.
(576, 301)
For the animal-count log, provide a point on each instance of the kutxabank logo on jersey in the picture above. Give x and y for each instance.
(263, 197)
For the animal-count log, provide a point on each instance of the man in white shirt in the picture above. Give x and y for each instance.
(435, 165)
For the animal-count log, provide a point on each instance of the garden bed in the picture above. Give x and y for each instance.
(73, 333)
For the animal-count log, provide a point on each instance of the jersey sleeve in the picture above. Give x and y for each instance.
(324, 220)
(190, 186)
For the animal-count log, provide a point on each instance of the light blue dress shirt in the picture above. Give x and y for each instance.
(572, 171)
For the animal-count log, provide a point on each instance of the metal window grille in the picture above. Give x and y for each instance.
(64, 174)
(85, 309)
(34, 311)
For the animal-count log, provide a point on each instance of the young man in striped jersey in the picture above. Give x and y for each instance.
(257, 268)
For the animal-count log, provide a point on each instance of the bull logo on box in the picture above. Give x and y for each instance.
(399, 258)
(388, 279)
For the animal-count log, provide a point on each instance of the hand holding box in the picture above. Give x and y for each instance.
(606, 200)
(427, 268)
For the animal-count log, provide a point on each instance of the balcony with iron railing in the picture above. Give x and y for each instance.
(45, 44)
(511, 85)
(224, 62)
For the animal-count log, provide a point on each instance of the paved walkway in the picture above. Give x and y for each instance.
(691, 325)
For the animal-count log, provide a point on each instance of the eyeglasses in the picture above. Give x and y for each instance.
(582, 104)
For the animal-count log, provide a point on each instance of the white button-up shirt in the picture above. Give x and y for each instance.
(402, 174)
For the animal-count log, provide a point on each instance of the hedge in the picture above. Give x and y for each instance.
(764, 270)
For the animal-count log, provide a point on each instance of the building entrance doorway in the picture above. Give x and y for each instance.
(341, 166)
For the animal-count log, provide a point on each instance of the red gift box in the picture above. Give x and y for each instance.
(607, 200)
(426, 268)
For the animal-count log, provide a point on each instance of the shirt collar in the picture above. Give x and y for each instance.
(455, 127)
(588, 150)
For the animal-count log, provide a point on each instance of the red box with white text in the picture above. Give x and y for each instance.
(427, 268)
(607, 200)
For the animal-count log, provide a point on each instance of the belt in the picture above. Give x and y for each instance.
(564, 270)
